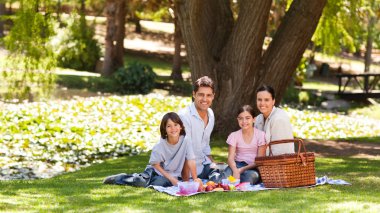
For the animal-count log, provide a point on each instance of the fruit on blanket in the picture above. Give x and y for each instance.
(226, 187)
(232, 187)
(218, 189)
(231, 179)
(209, 188)
(212, 183)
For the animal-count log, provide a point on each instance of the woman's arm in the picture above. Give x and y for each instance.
(231, 161)
(172, 179)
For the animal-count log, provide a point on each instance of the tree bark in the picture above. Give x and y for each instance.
(2, 12)
(177, 60)
(114, 40)
(231, 52)
(368, 49)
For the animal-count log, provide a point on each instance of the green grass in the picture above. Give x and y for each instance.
(160, 67)
(318, 85)
(83, 191)
(372, 111)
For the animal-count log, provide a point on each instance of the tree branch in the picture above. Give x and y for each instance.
(289, 43)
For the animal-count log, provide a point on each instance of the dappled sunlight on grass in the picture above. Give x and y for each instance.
(353, 206)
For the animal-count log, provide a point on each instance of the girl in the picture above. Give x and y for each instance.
(244, 145)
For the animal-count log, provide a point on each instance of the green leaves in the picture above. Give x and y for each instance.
(55, 137)
(43, 139)
(324, 125)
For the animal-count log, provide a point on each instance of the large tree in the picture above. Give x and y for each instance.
(231, 51)
(2, 12)
(114, 42)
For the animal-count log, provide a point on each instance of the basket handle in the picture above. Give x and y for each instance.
(300, 143)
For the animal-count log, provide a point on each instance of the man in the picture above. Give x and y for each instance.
(198, 119)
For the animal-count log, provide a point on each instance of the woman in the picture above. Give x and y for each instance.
(273, 121)
(244, 145)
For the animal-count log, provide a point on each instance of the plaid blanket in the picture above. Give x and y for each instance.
(174, 191)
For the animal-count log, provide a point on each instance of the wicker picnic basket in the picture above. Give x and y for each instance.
(287, 170)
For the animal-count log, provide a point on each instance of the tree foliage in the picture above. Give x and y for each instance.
(31, 56)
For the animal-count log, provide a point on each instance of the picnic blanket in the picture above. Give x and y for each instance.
(174, 191)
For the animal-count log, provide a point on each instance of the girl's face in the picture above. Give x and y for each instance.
(265, 102)
(245, 120)
(173, 129)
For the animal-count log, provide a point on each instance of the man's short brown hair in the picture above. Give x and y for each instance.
(204, 81)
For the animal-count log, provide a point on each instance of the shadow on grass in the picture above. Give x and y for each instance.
(84, 191)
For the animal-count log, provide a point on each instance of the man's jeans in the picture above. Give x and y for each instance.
(210, 174)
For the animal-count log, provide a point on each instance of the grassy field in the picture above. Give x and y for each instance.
(83, 191)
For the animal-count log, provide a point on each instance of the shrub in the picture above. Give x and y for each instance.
(135, 78)
(77, 47)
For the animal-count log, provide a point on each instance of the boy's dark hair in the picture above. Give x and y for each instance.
(246, 108)
(268, 89)
(176, 119)
(204, 81)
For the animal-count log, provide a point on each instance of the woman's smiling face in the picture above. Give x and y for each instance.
(265, 102)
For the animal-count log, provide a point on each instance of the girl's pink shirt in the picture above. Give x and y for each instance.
(246, 152)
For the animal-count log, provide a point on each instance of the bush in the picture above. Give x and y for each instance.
(77, 47)
(135, 78)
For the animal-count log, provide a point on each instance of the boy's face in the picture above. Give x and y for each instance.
(203, 98)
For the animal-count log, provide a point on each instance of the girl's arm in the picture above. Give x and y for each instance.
(172, 179)
(260, 152)
(231, 161)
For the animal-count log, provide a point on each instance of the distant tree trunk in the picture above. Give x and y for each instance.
(231, 52)
(177, 60)
(2, 12)
(59, 5)
(136, 20)
(83, 7)
(114, 41)
(368, 49)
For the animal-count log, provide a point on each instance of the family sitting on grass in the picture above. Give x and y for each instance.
(184, 152)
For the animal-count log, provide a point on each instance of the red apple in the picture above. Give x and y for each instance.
(209, 188)
(226, 187)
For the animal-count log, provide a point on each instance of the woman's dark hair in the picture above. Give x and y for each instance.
(204, 81)
(175, 118)
(268, 89)
(246, 108)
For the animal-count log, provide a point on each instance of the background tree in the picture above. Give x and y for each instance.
(231, 52)
(2, 13)
(114, 41)
(177, 60)
(31, 58)
(351, 26)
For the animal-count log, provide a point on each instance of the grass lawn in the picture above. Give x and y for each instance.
(83, 191)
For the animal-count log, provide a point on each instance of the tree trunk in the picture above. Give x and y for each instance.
(368, 49)
(58, 11)
(114, 41)
(231, 52)
(137, 23)
(2, 12)
(82, 7)
(176, 68)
